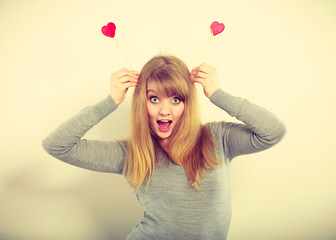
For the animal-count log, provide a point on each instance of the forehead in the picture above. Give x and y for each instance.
(152, 86)
(168, 87)
(156, 88)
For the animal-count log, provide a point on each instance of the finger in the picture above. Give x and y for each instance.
(120, 73)
(201, 71)
(125, 72)
(193, 75)
(204, 68)
(198, 80)
(132, 74)
(125, 79)
(200, 67)
(130, 84)
(126, 86)
(195, 70)
(202, 75)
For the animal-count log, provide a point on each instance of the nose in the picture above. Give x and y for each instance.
(165, 109)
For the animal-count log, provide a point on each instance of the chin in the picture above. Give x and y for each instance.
(163, 135)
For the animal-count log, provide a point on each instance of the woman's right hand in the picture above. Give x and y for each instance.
(120, 81)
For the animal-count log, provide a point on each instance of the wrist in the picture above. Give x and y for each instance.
(210, 93)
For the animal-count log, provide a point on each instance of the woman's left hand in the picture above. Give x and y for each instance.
(207, 76)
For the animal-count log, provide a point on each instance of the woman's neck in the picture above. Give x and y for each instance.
(165, 143)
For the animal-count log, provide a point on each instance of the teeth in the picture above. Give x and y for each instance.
(164, 120)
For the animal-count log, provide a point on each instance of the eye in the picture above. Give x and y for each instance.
(154, 99)
(176, 100)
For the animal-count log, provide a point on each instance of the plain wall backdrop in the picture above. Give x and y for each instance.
(54, 61)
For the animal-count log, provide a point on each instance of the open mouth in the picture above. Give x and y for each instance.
(164, 125)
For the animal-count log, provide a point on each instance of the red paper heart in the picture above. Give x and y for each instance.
(109, 30)
(217, 28)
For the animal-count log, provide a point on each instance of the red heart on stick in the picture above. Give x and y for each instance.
(109, 30)
(217, 28)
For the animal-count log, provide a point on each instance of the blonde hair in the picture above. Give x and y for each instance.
(191, 143)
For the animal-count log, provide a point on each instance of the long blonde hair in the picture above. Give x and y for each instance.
(191, 143)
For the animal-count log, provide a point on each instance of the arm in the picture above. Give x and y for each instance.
(261, 129)
(66, 143)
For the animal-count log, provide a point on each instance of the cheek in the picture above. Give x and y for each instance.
(179, 111)
(150, 112)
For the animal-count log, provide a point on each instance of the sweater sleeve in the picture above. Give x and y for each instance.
(260, 129)
(66, 144)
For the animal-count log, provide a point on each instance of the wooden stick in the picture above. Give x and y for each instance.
(116, 42)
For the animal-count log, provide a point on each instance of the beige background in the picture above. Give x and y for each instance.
(54, 61)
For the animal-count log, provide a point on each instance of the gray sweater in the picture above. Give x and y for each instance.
(172, 208)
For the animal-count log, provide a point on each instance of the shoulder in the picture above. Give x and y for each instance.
(215, 129)
(218, 127)
(122, 143)
(221, 129)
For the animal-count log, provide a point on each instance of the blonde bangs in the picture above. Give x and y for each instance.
(170, 84)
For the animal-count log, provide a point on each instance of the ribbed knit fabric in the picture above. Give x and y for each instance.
(172, 208)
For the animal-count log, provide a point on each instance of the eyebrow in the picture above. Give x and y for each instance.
(151, 90)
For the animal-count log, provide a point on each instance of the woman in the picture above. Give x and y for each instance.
(178, 167)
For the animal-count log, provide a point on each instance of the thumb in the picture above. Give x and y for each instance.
(194, 78)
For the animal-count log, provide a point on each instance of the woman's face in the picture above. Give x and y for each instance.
(163, 112)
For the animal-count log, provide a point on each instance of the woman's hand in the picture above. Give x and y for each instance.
(207, 76)
(120, 81)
